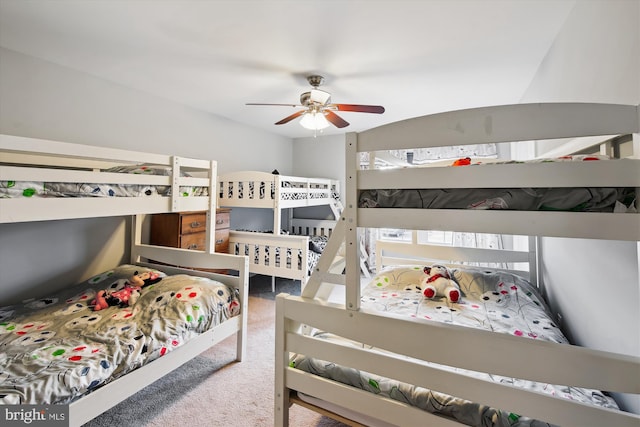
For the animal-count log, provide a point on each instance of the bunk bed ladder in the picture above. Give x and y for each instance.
(327, 272)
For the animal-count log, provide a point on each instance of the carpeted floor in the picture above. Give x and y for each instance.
(213, 390)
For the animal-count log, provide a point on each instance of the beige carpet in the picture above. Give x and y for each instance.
(214, 390)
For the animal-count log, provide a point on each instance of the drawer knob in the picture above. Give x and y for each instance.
(219, 241)
(195, 224)
(219, 221)
(193, 246)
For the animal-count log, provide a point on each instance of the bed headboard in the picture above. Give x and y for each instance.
(521, 262)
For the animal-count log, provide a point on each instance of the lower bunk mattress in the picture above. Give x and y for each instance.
(56, 349)
(495, 301)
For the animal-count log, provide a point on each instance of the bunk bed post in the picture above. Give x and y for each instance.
(210, 245)
(175, 184)
(276, 208)
(352, 248)
(136, 237)
(277, 222)
(281, 395)
(290, 221)
(534, 267)
(241, 335)
(636, 155)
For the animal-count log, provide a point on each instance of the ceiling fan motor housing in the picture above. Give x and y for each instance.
(315, 97)
(315, 80)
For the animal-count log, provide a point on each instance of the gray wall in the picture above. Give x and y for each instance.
(44, 100)
(594, 285)
(320, 157)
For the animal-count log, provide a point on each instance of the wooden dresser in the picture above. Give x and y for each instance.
(188, 230)
(223, 221)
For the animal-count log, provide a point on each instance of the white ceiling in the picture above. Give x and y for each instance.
(412, 57)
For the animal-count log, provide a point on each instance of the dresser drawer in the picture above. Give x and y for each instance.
(193, 241)
(222, 241)
(193, 223)
(223, 218)
(188, 230)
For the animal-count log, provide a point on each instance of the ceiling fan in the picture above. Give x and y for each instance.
(318, 110)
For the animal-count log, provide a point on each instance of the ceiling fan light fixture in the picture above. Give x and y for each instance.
(314, 121)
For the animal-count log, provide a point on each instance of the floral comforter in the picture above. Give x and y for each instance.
(499, 302)
(56, 349)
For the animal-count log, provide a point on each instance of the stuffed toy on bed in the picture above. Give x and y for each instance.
(128, 295)
(465, 161)
(438, 282)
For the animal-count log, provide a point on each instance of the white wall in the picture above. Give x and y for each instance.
(595, 284)
(44, 100)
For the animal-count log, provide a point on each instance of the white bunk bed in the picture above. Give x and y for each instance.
(385, 344)
(35, 175)
(291, 254)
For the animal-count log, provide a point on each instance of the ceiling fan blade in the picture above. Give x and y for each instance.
(291, 117)
(377, 109)
(277, 105)
(337, 121)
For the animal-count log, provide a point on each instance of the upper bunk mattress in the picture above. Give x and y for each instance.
(582, 199)
(494, 301)
(17, 189)
(521, 199)
(59, 348)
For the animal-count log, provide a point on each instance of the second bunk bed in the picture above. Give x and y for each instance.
(292, 248)
(92, 343)
(386, 353)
